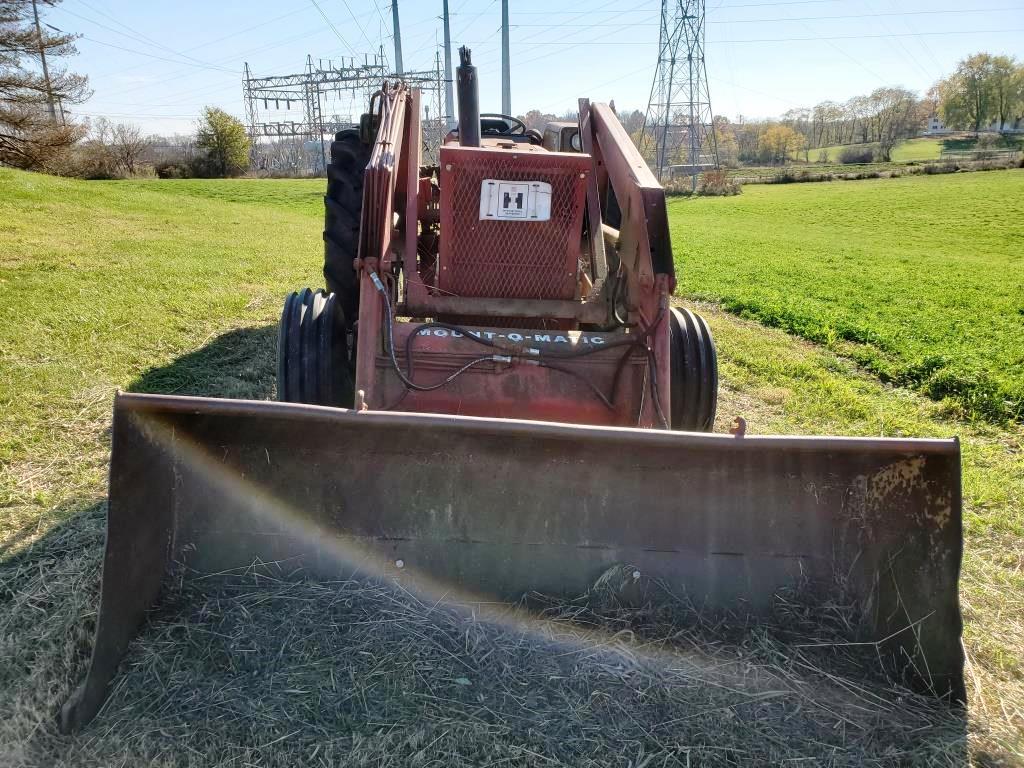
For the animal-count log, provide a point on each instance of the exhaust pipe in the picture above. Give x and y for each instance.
(469, 100)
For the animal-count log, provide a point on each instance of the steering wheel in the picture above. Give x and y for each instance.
(515, 126)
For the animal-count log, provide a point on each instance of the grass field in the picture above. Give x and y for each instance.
(176, 286)
(919, 279)
(906, 151)
(917, 150)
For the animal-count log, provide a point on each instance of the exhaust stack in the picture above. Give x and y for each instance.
(469, 100)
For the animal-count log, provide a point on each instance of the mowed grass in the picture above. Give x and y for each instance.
(919, 279)
(906, 151)
(101, 281)
(176, 286)
(920, 149)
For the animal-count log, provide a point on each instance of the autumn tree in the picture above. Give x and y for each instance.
(728, 146)
(778, 142)
(225, 141)
(1007, 89)
(34, 88)
(966, 96)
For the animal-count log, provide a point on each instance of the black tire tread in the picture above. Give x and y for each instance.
(343, 204)
(313, 364)
(693, 372)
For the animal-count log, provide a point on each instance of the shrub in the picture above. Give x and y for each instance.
(173, 170)
(93, 160)
(799, 177)
(678, 187)
(852, 155)
(717, 184)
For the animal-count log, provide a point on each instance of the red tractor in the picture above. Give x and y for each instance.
(507, 380)
(535, 272)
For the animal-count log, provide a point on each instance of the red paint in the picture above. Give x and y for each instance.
(488, 271)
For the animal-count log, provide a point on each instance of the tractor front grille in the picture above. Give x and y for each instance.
(508, 258)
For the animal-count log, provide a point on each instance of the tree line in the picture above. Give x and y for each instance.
(884, 117)
(984, 90)
(37, 92)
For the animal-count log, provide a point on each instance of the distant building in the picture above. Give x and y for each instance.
(1010, 126)
(934, 126)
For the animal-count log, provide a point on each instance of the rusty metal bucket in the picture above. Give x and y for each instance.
(483, 508)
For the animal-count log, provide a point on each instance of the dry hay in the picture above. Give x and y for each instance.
(252, 670)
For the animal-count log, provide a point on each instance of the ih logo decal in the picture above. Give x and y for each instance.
(515, 200)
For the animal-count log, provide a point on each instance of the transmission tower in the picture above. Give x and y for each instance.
(679, 132)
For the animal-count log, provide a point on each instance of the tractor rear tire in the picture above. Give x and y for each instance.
(313, 364)
(343, 206)
(694, 372)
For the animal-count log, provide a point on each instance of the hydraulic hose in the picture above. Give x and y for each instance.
(537, 357)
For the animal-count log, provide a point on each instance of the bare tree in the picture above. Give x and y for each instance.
(1007, 88)
(129, 146)
(895, 117)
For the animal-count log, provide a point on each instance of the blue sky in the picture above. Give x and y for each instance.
(158, 63)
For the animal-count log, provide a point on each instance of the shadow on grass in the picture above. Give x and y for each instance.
(49, 584)
(239, 364)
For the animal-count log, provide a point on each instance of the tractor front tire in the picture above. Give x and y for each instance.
(313, 364)
(343, 206)
(694, 372)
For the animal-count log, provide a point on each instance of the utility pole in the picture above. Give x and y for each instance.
(449, 98)
(506, 75)
(42, 58)
(396, 29)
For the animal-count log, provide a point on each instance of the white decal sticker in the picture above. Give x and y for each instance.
(574, 338)
(515, 200)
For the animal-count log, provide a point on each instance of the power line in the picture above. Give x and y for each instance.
(176, 75)
(655, 7)
(360, 26)
(243, 31)
(872, 37)
(132, 33)
(803, 39)
(777, 20)
(333, 28)
(906, 51)
(477, 16)
(154, 56)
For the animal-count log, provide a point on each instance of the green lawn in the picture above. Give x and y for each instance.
(920, 279)
(177, 285)
(920, 149)
(905, 151)
(101, 281)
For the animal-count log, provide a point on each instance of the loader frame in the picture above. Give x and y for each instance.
(638, 250)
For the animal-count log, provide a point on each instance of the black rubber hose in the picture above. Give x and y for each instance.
(608, 402)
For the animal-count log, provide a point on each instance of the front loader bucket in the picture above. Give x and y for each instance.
(483, 508)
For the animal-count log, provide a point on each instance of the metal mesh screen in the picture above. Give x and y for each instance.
(507, 258)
